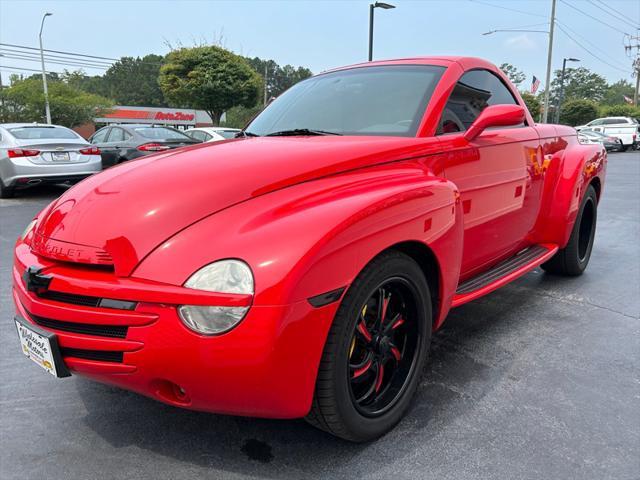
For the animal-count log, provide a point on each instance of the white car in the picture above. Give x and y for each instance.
(212, 134)
(33, 153)
(627, 129)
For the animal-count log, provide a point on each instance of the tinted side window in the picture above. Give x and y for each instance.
(99, 136)
(116, 135)
(197, 135)
(475, 91)
(595, 122)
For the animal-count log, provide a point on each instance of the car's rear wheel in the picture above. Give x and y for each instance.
(375, 351)
(6, 192)
(574, 258)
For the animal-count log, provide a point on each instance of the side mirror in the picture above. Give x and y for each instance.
(495, 116)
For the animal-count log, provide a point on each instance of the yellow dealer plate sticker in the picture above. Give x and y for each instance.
(37, 348)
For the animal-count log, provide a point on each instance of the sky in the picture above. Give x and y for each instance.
(325, 34)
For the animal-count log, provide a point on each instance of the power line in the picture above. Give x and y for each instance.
(22, 69)
(592, 45)
(592, 17)
(50, 56)
(68, 64)
(73, 53)
(610, 9)
(605, 10)
(507, 8)
(590, 52)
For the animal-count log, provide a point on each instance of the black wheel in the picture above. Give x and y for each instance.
(623, 148)
(6, 192)
(375, 351)
(574, 258)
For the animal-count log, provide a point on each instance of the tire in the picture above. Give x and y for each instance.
(623, 148)
(337, 407)
(573, 259)
(6, 192)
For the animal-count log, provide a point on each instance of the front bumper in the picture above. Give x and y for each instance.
(264, 367)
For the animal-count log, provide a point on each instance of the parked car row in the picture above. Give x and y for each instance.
(624, 129)
(33, 153)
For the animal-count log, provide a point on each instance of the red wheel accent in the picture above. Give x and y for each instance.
(396, 354)
(362, 328)
(362, 370)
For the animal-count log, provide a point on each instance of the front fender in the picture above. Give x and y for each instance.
(317, 236)
(303, 241)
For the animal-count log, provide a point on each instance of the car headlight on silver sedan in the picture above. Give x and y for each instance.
(224, 276)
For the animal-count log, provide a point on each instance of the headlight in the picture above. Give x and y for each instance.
(224, 276)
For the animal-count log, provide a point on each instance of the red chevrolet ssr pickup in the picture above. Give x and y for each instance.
(300, 269)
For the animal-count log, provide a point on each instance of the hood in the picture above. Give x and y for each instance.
(120, 215)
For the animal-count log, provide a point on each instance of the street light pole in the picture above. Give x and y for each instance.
(561, 95)
(552, 24)
(385, 6)
(44, 75)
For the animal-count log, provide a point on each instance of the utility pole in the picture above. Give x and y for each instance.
(636, 63)
(44, 75)
(265, 83)
(547, 87)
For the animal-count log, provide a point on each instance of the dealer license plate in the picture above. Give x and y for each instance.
(41, 348)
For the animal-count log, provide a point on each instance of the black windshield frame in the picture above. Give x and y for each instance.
(263, 125)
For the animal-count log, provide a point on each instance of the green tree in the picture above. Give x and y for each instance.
(579, 83)
(516, 76)
(625, 110)
(615, 93)
(279, 78)
(578, 111)
(134, 81)
(209, 78)
(87, 83)
(533, 104)
(238, 117)
(23, 101)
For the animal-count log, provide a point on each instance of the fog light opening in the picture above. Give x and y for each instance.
(170, 392)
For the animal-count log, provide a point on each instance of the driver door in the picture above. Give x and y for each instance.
(496, 173)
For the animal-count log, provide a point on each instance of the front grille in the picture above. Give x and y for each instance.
(99, 355)
(74, 299)
(114, 331)
(86, 300)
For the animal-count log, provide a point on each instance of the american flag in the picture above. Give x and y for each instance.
(535, 84)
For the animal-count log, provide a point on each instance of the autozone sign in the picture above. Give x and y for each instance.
(179, 116)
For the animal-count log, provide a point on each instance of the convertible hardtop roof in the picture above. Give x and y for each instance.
(442, 61)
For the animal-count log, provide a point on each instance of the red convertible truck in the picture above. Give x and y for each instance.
(300, 270)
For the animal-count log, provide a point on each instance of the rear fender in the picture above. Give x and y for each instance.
(569, 172)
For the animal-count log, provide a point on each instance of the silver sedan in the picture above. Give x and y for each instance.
(32, 154)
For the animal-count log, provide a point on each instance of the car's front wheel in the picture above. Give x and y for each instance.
(375, 351)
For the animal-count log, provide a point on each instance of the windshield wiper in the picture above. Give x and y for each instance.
(300, 131)
(242, 134)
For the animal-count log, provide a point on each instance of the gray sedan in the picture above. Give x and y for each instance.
(31, 154)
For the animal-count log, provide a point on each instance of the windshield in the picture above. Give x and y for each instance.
(161, 133)
(43, 133)
(384, 100)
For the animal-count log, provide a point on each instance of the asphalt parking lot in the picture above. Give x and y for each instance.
(540, 379)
